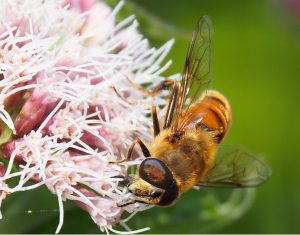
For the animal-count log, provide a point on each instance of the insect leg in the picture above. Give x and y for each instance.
(121, 97)
(131, 201)
(156, 127)
(162, 85)
(172, 103)
(125, 180)
(143, 147)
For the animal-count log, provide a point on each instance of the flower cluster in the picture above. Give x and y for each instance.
(66, 79)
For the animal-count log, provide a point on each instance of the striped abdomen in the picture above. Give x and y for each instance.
(216, 113)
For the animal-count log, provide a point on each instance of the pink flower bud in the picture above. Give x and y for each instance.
(9, 147)
(82, 5)
(3, 185)
(2, 169)
(94, 141)
(110, 213)
(36, 108)
(13, 99)
(30, 115)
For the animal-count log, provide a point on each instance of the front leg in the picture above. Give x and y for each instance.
(143, 147)
(131, 201)
(152, 92)
(125, 180)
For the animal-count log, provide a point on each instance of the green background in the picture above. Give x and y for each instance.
(257, 66)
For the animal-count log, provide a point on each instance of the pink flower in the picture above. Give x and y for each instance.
(3, 185)
(81, 5)
(61, 121)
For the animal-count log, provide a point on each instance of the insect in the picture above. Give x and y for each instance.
(183, 153)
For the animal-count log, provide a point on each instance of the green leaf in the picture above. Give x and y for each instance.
(6, 133)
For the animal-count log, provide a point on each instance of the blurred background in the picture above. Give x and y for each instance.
(257, 66)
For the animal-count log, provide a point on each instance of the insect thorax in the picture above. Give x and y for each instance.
(188, 157)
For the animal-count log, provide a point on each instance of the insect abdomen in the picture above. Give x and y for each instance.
(217, 113)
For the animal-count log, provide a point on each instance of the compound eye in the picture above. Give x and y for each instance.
(155, 172)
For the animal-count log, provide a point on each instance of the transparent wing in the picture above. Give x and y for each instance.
(197, 66)
(236, 168)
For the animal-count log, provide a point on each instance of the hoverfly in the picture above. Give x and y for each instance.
(185, 152)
